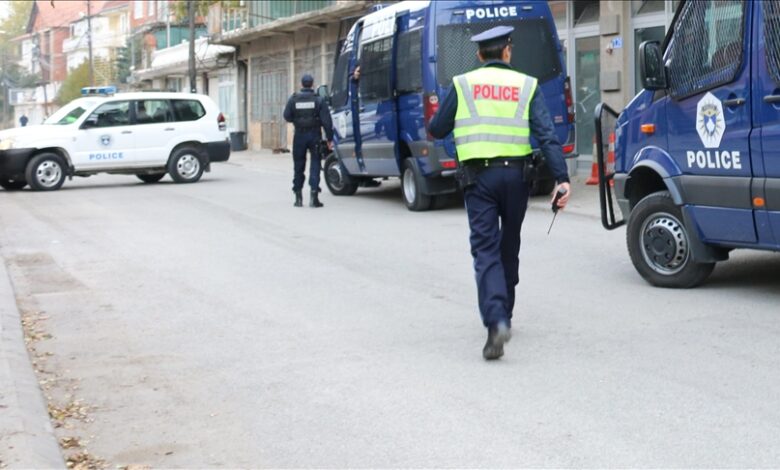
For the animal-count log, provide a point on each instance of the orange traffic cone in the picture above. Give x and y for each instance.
(594, 169)
(610, 170)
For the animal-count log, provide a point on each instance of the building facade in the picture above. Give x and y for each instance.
(277, 41)
(110, 30)
(601, 40)
(41, 54)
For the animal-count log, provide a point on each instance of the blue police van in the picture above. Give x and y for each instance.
(693, 161)
(408, 54)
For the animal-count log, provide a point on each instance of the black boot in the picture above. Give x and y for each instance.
(298, 199)
(497, 336)
(315, 199)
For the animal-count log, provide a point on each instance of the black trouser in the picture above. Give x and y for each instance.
(496, 206)
(303, 141)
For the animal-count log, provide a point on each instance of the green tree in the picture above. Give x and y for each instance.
(71, 87)
(16, 22)
(123, 64)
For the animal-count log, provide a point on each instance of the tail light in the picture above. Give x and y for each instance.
(430, 106)
(221, 122)
(568, 98)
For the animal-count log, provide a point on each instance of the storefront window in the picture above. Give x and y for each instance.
(588, 93)
(641, 7)
(559, 14)
(586, 11)
(656, 33)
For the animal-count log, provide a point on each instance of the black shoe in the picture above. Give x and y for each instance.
(497, 336)
(315, 200)
(298, 199)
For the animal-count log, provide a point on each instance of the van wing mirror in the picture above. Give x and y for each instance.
(651, 66)
(324, 93)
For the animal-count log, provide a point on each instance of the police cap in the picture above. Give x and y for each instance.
(307, 80)
(494, 36)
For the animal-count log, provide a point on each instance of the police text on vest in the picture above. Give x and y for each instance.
(714, 160)
(496, 92)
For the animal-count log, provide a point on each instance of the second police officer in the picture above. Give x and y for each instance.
(493, 112)
(308, 113)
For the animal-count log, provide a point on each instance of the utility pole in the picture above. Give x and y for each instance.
(89, 41)
(191, 15)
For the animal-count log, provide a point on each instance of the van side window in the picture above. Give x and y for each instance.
(112, 114)
(188, 110)
(375, 61)
(771, 10)
(707, 47)
(409, 60)
(340, 87)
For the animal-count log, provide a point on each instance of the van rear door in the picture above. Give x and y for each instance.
(766, 109)
(535, 52)
(709, 117)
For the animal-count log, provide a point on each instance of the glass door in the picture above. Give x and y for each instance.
(586, 89)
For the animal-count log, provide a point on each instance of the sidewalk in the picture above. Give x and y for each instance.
(26, 437)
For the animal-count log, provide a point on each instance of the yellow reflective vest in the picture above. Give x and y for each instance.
(492, 116)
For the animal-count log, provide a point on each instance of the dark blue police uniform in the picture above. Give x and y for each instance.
(496, 206)
(308, 113)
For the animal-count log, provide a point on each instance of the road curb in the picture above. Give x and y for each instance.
(27, 439)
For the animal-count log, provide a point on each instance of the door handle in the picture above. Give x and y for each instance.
(170, 129)
(772, 99)
(734, 102)
(127, 132)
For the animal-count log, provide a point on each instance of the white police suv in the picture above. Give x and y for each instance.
(147, 134)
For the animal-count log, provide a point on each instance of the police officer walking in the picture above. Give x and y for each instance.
(493, 112)
(308, 113)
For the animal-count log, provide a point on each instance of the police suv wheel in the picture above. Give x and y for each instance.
(150, 178)
(12, 185)
(46, 172)
(185, 165)
(411, 188)
(336, 179)
(659, 244)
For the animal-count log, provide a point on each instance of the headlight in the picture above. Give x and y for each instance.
(6, 144)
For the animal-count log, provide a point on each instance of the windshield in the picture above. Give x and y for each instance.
(69, 113)
(534, 51)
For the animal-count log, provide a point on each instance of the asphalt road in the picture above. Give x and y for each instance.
(214, 325)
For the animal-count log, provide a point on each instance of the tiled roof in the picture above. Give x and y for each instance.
(54, 13)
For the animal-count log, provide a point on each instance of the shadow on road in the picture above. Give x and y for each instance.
(755, 271)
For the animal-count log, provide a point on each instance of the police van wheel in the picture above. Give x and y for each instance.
(411, 188)
(45, 172)
(150, 178)
(336, 180)
(659, 244)
(185, 166)
(12, 185)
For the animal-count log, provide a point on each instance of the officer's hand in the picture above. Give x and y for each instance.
(330, 145)
(565, 198)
